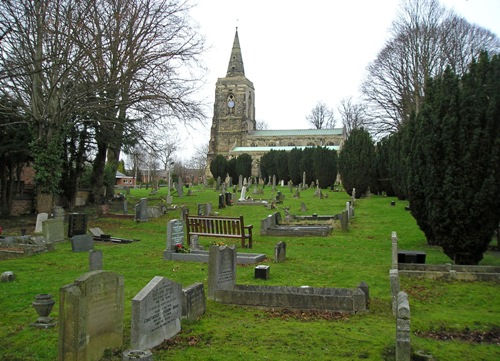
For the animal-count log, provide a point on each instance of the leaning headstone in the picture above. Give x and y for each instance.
(58, 212)
(77, 224)
(280, 252)
(243, 194)
(95, 260)
(53, 230)
(82, 243)
(156, 313)
(40, 218)
(193, 302)
(91, 316)
(221, 269)
(403, 348)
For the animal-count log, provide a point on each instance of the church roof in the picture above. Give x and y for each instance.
(268, 149)
(295, 132)
(235, 67)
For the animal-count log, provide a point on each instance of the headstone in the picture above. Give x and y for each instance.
(91, 316)
(141, 210)
(7, 276)
(297, 193)
(274, 183)
(208, 208)
(394, 241)
(175, 234)
(303, 207)
(222, 201)
(40, 218)
(344, 221)
(221, 269)
(193, 302)
(77, 224)
(245, 182)
(137, 355)
(243, 194)
(193, 243)
(229, 199)
(201, 209)
(184, 212)
(125, 206)
(53, 230)
(58, 212)
(218, 183)
(240, 181)
(280, 252)
(403, 348)
(82, 243)
(394, 279)
(180, 187)
(304, 179)
(156, 313)
(95, 260)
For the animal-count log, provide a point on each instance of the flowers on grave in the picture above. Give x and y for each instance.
(218, 243)
(179, 248)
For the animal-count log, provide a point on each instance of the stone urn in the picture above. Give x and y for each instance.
(43, 305)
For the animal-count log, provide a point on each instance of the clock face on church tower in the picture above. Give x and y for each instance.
(230, 103)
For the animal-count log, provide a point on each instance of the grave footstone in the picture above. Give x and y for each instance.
(156, 313)
(91, 316)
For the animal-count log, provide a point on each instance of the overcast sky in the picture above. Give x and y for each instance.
(298, 53)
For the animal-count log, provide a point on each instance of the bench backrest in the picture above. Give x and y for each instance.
(215, 225)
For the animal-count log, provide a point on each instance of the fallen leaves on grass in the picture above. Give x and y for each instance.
(486, 336)
(309, 315)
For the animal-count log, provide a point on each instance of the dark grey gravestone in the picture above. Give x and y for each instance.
(184, 212)
(193, 302)
(95, 260)
(77, 224)
(208, 208)
(82, 243)
(221, 269)
(280, 252)
(303, 207)
(156, 313)
(175, 234)
(201, 209)
(91, 316)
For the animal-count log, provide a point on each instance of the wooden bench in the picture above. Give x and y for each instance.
(224, 227)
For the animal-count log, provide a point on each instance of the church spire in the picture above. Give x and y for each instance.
(235, 67)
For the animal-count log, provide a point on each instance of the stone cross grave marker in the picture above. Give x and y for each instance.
(91, 316)
(156, 313)
(221, 269)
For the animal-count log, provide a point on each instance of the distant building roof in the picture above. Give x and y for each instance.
(268, 149)
(295, 132)
(121, 175)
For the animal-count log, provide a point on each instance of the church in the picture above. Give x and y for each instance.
(233, 131)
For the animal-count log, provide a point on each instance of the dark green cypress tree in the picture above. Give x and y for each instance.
(231, 170)
(281, 164)
(325, 166)
(244, 165)
(294, 169)
(218, 166)
(357, 162)
(306, 164)
(455, 171)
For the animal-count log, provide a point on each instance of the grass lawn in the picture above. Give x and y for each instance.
(228, 332)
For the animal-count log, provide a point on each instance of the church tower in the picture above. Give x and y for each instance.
(234, 107)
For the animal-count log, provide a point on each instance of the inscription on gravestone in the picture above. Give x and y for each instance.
(221, 269)
(156, 313)
(175, 234)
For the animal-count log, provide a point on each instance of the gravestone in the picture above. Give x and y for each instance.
(240, 181)
(175, 234)
(222, 201)
(394, 241)
(274, 183)
(58, 212)
(141, 210)
(217, 184)
(403, 347)
(156, 313)
(243, 194)
(82, 243)
(77, 224)
(201, 209)
(125, 206)
(91, 316)
(303, 207)
(53, 230)
(40, 218)
(208, 209)
(304, 179)
(179, 186)
(394, 279)
(221, 269)
(228, 199)
(95, 260)
(344, 220)
(193, 302)
(280, 252)
(297, 193)
(184, 212)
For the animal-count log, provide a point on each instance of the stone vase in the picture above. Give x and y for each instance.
(43, 305)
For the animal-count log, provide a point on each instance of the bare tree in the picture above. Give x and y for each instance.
(352, 114)
(261, 125)
(425, 39)
(321, 117)
(199, 159)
